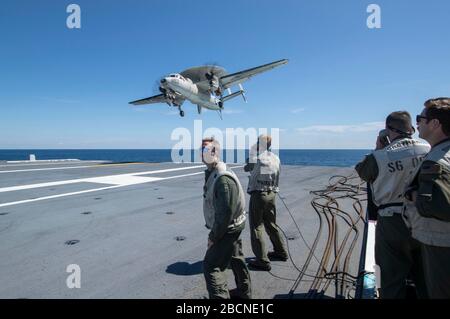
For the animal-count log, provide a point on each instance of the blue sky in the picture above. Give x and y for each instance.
(63, 88)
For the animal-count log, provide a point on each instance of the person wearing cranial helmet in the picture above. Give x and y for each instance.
(387, 170)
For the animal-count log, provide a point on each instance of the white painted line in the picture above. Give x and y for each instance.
(185, 175)
(101, 179)
(124, 179)
(50, 163)
(45, 161)
(127, 182)
(31, 186)
(45, 169)
(57, 196)
(167, 170)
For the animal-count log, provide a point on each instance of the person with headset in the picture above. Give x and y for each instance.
(388, 170)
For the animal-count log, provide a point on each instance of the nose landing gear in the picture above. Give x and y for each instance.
(181, 111)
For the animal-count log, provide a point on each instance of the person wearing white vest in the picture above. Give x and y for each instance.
(388, 170)
(263, 187)
(224, 212)
(428, 211)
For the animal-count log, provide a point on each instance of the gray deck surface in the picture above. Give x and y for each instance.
(128, 246)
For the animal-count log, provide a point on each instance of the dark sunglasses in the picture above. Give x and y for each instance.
(420, 117)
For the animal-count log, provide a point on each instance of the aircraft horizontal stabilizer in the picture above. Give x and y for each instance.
(232, 95)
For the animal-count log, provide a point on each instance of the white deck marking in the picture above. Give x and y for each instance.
(122, 180)
(57, 196)
(126, 181)
(107, 165)
(51, 163)
(47, 169)
(109, 179)
(185, 175)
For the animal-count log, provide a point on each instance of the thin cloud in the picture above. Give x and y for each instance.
(339, 129)
(140, 109)
(147, 109)
(171, 113)
(299, 110)
(232, 111)
(59, 100)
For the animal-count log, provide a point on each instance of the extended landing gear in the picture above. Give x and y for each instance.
(181, 112)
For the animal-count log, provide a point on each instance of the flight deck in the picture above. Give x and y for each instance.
(136, 230)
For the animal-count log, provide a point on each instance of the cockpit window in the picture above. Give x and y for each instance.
(177, 76)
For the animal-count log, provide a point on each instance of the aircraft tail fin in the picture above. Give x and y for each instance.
(241, 88)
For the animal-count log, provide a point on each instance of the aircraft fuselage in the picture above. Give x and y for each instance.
(191, 92)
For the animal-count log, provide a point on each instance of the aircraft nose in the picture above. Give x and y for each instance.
(163, 80)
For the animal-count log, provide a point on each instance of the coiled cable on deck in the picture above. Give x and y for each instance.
(326, 204)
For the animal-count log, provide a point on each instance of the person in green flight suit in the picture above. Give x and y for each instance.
(264, 168)
(225, 216)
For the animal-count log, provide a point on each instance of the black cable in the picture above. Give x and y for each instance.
(296, 226)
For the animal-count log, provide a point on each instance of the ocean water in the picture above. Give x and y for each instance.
(338, 158)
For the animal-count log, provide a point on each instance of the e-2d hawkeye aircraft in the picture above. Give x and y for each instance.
(203, 86)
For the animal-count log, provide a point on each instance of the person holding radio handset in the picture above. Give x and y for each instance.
(388, 170)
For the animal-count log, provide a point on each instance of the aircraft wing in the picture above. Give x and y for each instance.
(242, 76)
(150, 100)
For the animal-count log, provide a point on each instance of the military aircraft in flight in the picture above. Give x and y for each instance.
(204, 86)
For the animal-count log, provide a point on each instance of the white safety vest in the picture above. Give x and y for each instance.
(208, 197)
(430, 231)
(396, 166)
(265, 175)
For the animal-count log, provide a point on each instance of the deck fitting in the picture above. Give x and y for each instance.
(72, 242)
